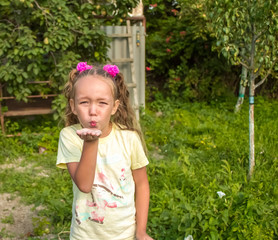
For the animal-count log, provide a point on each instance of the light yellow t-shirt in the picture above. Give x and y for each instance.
(108, 212)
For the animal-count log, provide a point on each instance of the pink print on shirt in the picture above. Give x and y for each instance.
(103, 196)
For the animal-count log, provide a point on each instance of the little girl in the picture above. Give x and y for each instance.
(103, 149)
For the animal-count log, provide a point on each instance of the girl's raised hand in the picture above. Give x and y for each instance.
(88, 135)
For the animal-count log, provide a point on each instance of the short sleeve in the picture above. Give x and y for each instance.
(138, 156)
(69, 147)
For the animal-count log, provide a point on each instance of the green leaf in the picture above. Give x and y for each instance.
(225, 38)
(36, 71)
(266, 48)
(213, 235)
(96, 54)
(19, 79)
(7, 77)
(25, 75)
(29, 67)
(9, 89)
(4, 3)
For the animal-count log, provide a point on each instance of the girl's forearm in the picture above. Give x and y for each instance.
(85, 172)
(142, 195)
(142, 208)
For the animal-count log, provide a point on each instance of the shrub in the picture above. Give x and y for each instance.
(178, 52)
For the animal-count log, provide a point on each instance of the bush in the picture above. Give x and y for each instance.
(178, 52)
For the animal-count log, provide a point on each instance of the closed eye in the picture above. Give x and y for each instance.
(83, 102)
(105, 103)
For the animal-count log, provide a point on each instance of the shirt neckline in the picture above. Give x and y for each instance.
(109, 136)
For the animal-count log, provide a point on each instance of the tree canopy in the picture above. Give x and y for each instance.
(41, 40)
(209, 40)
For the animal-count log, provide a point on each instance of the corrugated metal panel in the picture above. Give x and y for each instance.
(119, 49)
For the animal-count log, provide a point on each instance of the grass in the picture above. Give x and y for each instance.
(196, 149)
(205, 150)
(9, 219)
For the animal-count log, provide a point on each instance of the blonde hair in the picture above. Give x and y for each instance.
(124, 117)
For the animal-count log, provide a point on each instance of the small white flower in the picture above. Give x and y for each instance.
(189, 237)
(221, 194)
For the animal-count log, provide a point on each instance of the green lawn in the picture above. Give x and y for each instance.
(195, 151)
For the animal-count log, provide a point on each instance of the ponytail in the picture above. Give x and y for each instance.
(71, 118)
(125, 117)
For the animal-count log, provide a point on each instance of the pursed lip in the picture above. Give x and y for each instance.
(93, 123)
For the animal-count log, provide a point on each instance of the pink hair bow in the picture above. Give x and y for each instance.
(82, 66)
(113, 70)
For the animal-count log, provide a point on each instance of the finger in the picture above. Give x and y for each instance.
(97, 132)
(85, 133)
(81, 132)
(94, 132)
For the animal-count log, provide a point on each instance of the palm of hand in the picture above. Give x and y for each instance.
(88, 135)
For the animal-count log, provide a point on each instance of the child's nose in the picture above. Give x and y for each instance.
(92, 109)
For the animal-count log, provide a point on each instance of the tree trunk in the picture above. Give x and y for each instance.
(251, 108)
(242, 87)
(251, 130)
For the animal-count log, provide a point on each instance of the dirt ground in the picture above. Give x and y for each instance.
(16, 218)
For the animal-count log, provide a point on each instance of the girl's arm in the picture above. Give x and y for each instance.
(142, 194)
(83, 172)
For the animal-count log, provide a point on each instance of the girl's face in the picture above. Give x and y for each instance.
(94, 103)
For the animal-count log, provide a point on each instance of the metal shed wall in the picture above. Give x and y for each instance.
(119, 49)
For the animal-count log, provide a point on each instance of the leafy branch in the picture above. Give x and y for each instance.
(268, 73)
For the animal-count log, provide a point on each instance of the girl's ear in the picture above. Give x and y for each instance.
(72, 106)
(115, 108)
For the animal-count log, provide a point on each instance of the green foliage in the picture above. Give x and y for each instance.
(59, 104)
(188, 41)
(245, 33)
(196, 150)
(9, 219)
(4, 233)
(35, 132)
(179, 51)
(49, 138)
(200, 150)
(41, 226)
